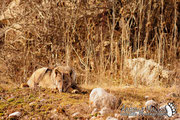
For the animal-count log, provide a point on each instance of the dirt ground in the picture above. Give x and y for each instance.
(45, 104)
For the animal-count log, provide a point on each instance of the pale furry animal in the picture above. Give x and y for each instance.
(60, 77)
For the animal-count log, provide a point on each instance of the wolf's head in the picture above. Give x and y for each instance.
(63, 78)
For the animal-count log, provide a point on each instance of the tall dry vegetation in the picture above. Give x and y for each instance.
(95, 36)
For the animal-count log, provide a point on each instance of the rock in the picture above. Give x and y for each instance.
(15, 115)
(32, 104)
(54, 117)
(105, 111)
(151, 103)
(93, 118)
(147, 71)
(146, 97)
(117, 115)
(95, 93)
(54, 111)
(76, 115)
(96, 118)
(54, 114)
(111, 118)
(151, 107)
(99, 99)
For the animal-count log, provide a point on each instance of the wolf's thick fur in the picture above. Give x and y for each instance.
(60, 77)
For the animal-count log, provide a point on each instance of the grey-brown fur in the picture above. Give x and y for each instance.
(60, 77)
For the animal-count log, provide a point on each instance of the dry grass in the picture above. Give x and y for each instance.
(96, 38)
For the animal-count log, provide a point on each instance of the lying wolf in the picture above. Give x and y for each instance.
(60, 77)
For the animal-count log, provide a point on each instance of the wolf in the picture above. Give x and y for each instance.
(59, 77)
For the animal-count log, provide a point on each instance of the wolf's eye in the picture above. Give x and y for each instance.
(63, 76)
(56, 72)
(65, 82)
(71, 72)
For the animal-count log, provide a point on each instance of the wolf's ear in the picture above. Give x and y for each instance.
(73, 74)
(56, 72)
(63, 76)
